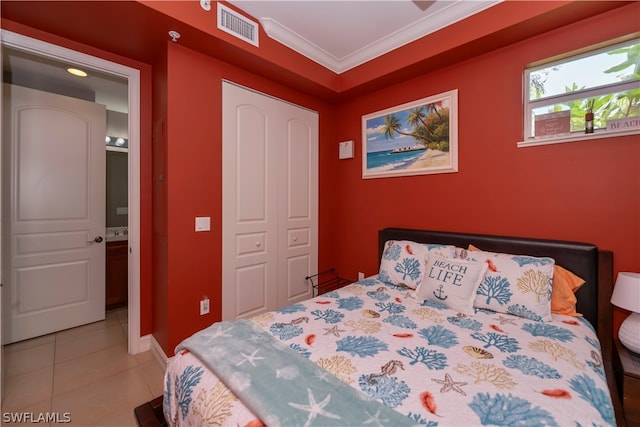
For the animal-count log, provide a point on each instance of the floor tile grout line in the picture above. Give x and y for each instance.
(143, 365)
(89, 354)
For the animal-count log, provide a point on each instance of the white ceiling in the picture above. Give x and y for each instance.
(341, 34)
(338, 34)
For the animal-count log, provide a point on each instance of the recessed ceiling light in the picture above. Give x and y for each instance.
(77, 72)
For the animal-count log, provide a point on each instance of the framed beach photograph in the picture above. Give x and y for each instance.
(416, 138)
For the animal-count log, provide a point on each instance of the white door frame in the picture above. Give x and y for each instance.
(41, 48)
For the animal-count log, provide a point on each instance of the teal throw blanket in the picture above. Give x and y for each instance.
(279, 385)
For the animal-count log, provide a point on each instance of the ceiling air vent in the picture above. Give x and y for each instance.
(237, 25)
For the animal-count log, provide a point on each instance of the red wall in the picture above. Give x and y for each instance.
(585, 191)
(192, 186)
(159, 228)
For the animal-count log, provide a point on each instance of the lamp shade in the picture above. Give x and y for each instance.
(626, 294)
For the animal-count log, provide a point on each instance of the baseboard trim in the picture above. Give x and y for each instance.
(144, 343)
(158, 352)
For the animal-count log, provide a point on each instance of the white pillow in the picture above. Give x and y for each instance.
(452, 282)
(403, 261)
(515, 284)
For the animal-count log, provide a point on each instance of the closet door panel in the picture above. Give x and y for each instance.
(251, 290)
(297, 269)
(299, 237)
(298, 201)
(299, 167)
(249, 214)
(251, 165)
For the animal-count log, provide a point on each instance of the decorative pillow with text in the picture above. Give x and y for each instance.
(403, 262)
(452, 282)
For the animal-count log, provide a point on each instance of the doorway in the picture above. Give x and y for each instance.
(50, 52)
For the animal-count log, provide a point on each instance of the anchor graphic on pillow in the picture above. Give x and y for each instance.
(438, 293)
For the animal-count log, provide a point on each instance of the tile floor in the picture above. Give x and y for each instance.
(85, 372)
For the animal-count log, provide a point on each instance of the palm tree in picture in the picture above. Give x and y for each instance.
(416, 118)
(433, 107)
(393, 126)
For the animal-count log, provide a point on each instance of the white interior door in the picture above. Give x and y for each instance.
(269, 219)
(54, 211)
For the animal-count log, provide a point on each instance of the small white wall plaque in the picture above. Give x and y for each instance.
(345, 150)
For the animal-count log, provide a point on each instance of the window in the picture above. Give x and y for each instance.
(560, 93)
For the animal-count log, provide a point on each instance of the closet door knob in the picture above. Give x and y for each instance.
(98, 239)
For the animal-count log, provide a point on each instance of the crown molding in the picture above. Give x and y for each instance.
(293, 40)
(452, 13)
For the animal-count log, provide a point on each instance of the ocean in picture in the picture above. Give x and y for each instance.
(380, 161)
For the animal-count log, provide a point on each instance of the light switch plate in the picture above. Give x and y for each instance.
(345, 150)
(203, 223)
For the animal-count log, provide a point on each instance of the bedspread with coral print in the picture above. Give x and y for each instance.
(280, 386)
(431, 364)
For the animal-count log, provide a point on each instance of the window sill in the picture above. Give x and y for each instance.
(559, 139)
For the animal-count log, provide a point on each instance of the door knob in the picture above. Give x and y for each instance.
(98, 239)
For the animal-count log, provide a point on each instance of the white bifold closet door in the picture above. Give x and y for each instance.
(270, 202)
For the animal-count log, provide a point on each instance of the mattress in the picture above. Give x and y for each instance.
(430, 363)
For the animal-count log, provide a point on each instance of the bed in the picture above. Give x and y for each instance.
(401, 348)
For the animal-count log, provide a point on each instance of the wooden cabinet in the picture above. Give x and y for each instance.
(117, 273)
(627, 370)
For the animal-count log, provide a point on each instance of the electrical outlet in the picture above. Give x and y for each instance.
(360, 275)
(204, 306)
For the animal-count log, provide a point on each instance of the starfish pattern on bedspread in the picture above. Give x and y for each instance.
(335, 331)
(448, 384)
(505, 320)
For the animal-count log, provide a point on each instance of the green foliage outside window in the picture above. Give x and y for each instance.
(606, 83)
